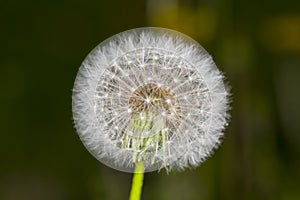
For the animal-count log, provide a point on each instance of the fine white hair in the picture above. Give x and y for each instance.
(151, 95)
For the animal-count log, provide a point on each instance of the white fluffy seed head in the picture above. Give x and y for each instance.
(151, 95)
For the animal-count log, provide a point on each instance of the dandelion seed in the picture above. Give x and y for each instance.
(150, 95)
(148, 100)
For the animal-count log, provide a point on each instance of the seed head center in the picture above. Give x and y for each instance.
(152, 98)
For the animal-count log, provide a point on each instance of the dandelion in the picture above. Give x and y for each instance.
(150, 98)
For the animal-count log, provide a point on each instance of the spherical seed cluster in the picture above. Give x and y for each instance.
(150, 95)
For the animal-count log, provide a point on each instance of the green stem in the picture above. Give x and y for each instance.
(137, 181)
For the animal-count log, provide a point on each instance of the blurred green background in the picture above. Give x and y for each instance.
(42, 44)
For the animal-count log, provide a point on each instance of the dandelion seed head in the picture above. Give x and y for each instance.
(150, 95)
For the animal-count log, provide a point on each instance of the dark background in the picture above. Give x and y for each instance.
(42, 44)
